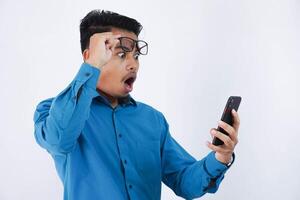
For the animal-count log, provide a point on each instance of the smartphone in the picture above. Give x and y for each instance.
(232, 103)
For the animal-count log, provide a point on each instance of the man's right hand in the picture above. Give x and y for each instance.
(100, 49)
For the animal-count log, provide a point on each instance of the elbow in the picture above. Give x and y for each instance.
(52, 141)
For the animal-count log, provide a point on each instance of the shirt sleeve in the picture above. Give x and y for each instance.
(59, 121)
(186, 176)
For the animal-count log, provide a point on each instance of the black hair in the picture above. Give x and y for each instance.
(98, 21)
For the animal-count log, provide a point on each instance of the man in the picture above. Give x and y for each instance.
(108, 146)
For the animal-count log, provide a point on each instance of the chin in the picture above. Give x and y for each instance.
(122, 95)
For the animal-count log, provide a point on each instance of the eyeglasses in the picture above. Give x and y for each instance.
(128, 44)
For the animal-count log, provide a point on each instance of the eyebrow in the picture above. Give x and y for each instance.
(118, 48)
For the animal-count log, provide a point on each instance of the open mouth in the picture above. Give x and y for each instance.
(129, 83)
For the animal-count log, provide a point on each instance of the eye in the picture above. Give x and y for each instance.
(136, 56)
(122, 55)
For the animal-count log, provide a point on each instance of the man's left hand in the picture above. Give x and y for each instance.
(224, 152)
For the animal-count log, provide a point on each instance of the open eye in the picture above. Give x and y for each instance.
(136, 56)
(122, 55)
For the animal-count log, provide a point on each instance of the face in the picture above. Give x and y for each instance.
(119, 74)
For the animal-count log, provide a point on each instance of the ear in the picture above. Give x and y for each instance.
(85, 54)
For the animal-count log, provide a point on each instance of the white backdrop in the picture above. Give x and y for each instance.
(201, 52)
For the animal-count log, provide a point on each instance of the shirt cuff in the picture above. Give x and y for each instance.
(88, 75)
(214, 167)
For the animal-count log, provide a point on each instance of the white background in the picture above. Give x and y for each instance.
(201, 52)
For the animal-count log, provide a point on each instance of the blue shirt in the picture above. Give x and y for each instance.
(117, 153)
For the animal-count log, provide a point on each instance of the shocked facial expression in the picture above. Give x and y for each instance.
(120, 72)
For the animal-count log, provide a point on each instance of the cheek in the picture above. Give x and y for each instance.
(109, 80)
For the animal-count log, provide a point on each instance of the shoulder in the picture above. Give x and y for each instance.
(42, 109)
(146, 108)
(45, 103)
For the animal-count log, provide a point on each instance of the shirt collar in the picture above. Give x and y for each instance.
(122, 101)
(127, 100)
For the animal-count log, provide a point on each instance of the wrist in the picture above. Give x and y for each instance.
(224, 158)
(94, 64)
(98, 66)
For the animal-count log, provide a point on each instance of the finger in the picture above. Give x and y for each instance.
(112, 42)
(114, 38)
(220, 149)
(106, 36)
(236, 120)
(229, 129)
(212, 129)
(115, 42)
(102, 36)
(225, 138)
(112, 47)
(117, 36)
(214, 147)
(99, 39)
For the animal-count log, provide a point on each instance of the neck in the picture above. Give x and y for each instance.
(113, 100)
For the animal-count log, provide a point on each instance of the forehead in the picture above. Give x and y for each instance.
(124, 33)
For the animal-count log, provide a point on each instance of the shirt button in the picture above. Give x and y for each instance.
(130, 186)
(120, 135)
(87, 74)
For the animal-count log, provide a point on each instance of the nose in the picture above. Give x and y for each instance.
(132, 64)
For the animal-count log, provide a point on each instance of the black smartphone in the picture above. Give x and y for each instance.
(232, 103)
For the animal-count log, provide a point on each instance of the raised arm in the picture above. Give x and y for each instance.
(59, 121)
